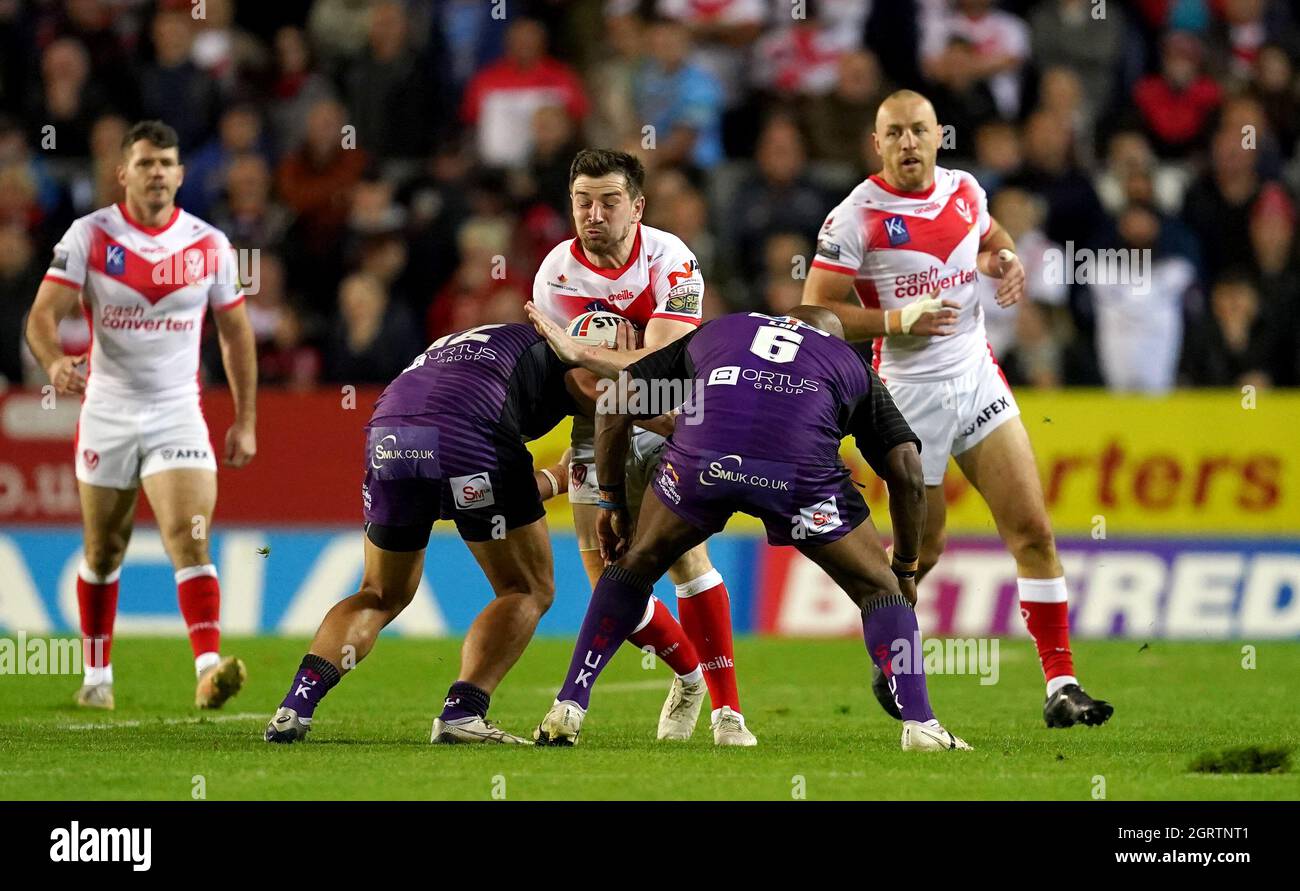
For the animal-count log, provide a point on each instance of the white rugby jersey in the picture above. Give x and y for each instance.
(900, 246)
(661, 279)
(144, 291)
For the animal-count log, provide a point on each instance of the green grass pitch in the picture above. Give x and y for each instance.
(820, 731)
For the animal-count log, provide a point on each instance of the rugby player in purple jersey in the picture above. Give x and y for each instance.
(770, 399)
(446, 441)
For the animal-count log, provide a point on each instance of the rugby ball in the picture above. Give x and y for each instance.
(597, 328)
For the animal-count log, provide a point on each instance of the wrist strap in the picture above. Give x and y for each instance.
(610, 505)
(887, 312)
(550, 477)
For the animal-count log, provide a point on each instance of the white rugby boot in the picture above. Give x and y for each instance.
(96, 696)
(473, 729)
(923, 737)
(286, 727)
(729, 729)
(561, 725)
(681, 709)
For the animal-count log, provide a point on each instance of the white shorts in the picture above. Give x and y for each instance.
(953, 415)
(642, 457)
(119, 443)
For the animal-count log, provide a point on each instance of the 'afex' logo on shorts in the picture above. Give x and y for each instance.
(472, 491)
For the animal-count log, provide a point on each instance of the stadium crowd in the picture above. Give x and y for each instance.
(402, 166)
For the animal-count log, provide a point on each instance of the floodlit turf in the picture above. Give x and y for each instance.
(819, 729)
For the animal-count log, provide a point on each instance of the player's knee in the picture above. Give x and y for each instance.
(932, 547)
(1031, 541)
(104, 557)
(541, 595)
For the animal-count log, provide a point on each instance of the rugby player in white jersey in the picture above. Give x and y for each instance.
(648, 276)
(145, 272)
(897, 261)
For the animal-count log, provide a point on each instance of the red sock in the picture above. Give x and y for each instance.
(200, 597)
(705, 607)
(97, 603)
(669, 641)
(1046, 611)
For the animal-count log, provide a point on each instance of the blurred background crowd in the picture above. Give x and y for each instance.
(402, 164)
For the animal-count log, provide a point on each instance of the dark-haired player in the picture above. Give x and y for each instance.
(145, 273)
(446, 441)
(648, 276)
(748, 371)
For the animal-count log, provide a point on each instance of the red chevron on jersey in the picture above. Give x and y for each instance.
(154, 280)
(660, 279)
(939, 236)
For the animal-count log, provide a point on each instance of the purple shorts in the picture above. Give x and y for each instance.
(419, 474)
(799, 504)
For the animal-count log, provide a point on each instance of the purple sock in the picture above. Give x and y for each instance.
(617, 604)
(315, 678)
(464, 700)
(894, 642)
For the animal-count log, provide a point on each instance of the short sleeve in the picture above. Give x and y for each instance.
(669, 362)
(71, 254)
(840, 245)
(878, 426)
(984, 219)
(678, 286)
(226, 291)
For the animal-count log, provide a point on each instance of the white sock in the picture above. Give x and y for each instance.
(96, 676)
(693, 677)
(1058, 682)
(204, 661)
(710, 579)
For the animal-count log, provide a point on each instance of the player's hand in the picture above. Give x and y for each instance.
(625, 336)
(611, 533)
(1012, 274)
(908, 587)
(241, 445)
(67, 374)
(568, 349)
(930, 317)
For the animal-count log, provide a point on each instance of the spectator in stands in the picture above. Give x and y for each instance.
(1177, 105)
(1068, 33)
(1074, 212)
(1233, 345)
(372, 340)
(69, 98)
(228, 54)
(724, 32)
(998, 153)
(239, 132)
(801, 59)
(317, 180)
(337, 29)
(1278, 89)
(501, 99)
(295, 88)
(836, 121)
(555, 142)
(682, 102)
(1022, 214)
(610, 83)
(1140, 303)
(96, 185)
(777, 197)
(1129, 154)
(975, 43)
(779, 288)
(248, 214)
(1277, 272)
(1061, 94)
(1217, 206)
(15, 150)
(96, 25)
(484, 243)
(20, 276)
(962, 99)
(397, 106)
(173, 88)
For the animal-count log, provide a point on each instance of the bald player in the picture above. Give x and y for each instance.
(743, 370)
(897, 261)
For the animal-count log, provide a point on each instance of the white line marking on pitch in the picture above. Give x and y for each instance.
(242, 716)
